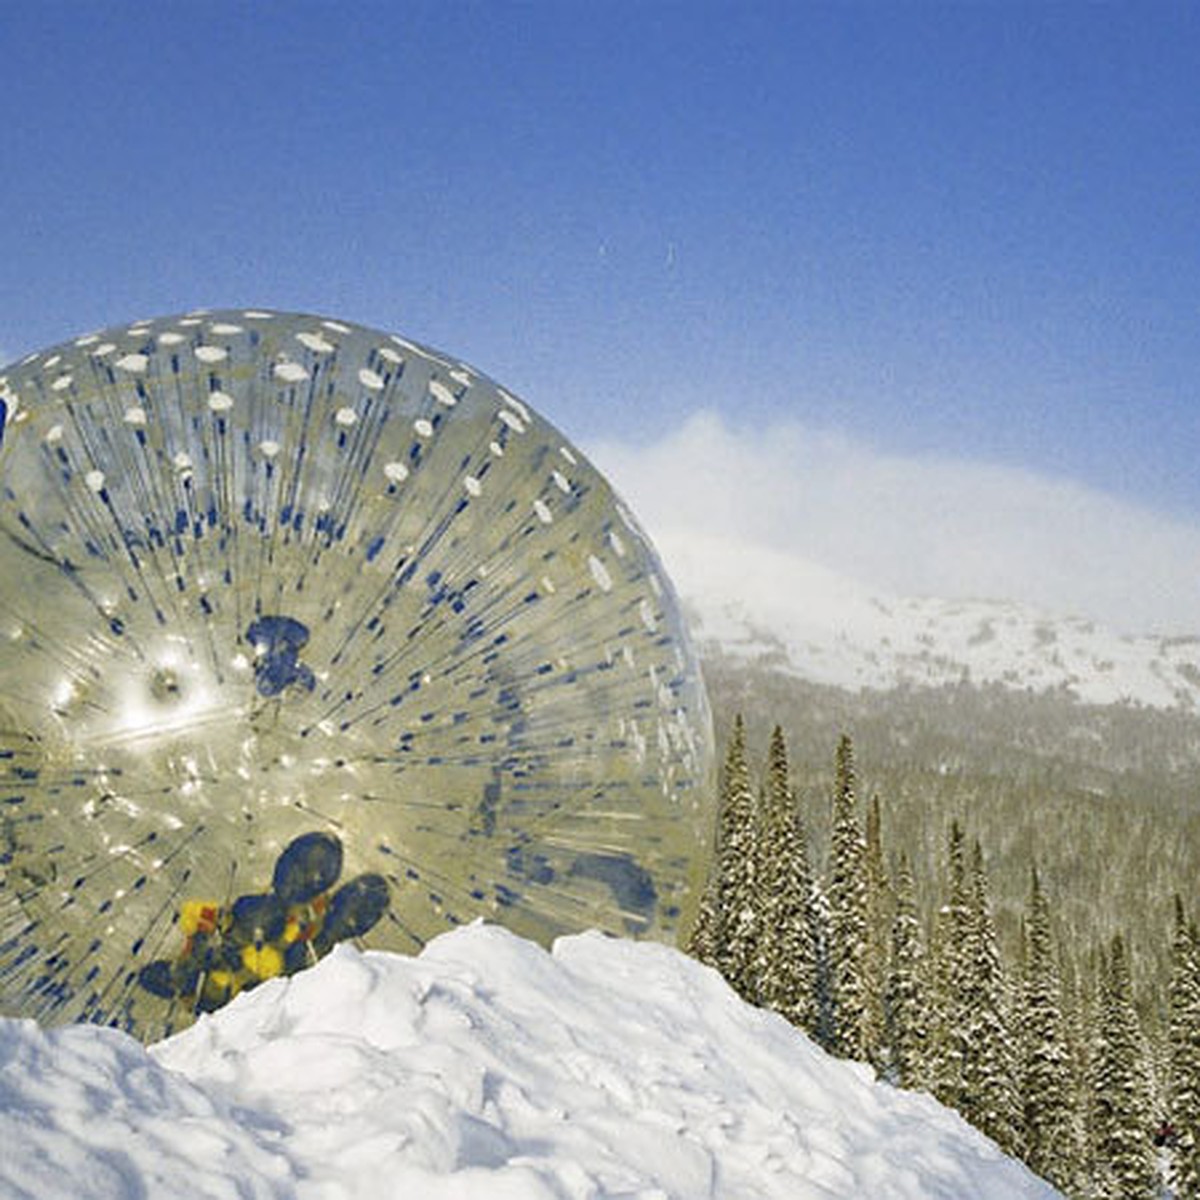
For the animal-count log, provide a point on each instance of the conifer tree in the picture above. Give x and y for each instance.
(702, 939)
(736, 922)
(1048, 1099)
(822, 937)
(881, 905)
(787, 963)
(1183, 1035)
(1087, 1000)
(950, 1014)
(1084, 983)
(988, 1099)
(847, 894)
(1079, 1023)
(1125, 1168)
(906, 995)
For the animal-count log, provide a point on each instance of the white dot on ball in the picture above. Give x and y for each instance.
(369, 379)
(316, 343)
(290, 372)
(211, 354)
(600, 573)
(397, 472)
(345, 416)
(513, 402)
(442, 394)
(423, 427)
(94, 480)
(135, 364)
(220, 401)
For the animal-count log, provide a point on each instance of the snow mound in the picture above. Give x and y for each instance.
(485, 1068)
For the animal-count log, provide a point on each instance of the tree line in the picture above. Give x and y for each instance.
(1104, 797)
(1044, 1051)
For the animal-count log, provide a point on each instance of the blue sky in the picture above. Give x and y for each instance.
(966, 232)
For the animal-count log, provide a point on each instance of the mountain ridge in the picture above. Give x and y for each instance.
(772, 609)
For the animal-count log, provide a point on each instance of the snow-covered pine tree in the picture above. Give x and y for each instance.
(737, 858)
(906, 996)
(1122, 1145)
(1183, 1034)
(1081, 1022)
(1048, 1098)
(702, 938)
(989, 1098)
(951, 972)
(847, 894)
(787, 956)
(821, 926)
(881, 905)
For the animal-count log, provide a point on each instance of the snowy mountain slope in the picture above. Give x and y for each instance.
(485, 1068)
(760, 604)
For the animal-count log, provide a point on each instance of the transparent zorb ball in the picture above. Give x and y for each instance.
(309, 633)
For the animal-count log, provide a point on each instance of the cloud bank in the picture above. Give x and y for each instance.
(917, 526)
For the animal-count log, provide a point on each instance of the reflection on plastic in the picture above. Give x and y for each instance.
(310, 633)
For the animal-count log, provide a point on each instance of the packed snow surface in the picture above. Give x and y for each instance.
(765, 605)
(485, 1069)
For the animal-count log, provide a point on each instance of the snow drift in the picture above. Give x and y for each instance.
(485, 1068)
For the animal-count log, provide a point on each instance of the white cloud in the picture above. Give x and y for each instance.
(917, 526)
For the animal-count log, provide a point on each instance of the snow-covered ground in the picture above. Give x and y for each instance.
(485, 1069)
(758, 603)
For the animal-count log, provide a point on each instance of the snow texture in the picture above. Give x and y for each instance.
(765, 605)
(485, 1068)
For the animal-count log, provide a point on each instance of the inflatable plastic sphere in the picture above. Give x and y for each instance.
(310, 633)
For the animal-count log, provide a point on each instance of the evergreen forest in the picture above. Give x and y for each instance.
(1037, 1027)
